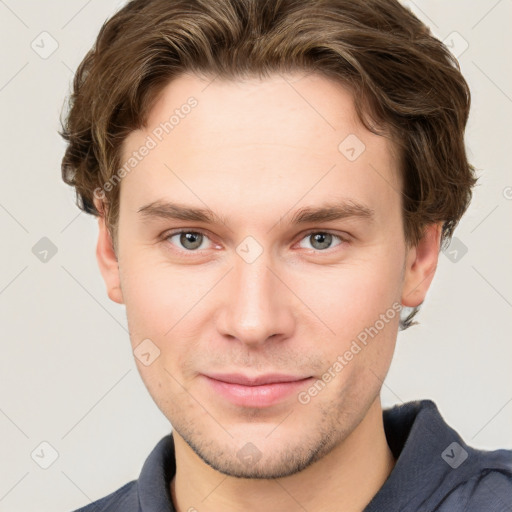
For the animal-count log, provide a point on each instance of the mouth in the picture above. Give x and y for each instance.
(258, 391)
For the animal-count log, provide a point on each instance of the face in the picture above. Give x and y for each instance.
(262, 262)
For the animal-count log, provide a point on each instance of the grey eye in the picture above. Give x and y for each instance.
(189, 240)
(320, 240)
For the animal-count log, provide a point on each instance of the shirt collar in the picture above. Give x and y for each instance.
(416, 434)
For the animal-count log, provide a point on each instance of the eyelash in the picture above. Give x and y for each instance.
(343, 240)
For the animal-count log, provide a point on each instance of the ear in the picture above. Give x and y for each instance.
(420, 266)
(107, 261)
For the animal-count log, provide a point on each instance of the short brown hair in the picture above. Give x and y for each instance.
(403, 79)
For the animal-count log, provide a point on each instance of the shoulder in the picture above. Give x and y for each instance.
(150, 491)
(436, 470)
(487, 484)
(125, 499)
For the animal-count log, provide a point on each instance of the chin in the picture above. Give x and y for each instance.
(264, 457)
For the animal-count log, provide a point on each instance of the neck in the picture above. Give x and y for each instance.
(345, 479)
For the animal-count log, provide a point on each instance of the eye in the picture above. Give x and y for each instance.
(322, 240)
(191, 241)
(196, 241)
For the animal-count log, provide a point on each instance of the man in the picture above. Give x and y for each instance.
(273, 182)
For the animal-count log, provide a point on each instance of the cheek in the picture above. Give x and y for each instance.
(360, 303)
(156, 295)
(351, 296)
(164, 305)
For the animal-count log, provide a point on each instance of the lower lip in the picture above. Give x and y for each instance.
(264, 395)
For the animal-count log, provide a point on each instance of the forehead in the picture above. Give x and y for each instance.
(293, 109)
(285, 135)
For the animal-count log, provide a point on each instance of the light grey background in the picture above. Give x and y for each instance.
(67, 372)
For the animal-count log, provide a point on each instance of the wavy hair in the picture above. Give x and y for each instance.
(403, 79)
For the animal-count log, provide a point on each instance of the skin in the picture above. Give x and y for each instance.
(255, 152)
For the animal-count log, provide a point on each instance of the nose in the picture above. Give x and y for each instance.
(257, 306)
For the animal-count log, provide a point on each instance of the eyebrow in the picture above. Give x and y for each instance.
(334, 211)
(309, 214)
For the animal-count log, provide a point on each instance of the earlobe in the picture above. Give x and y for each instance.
(420, 266)
(107, 262)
